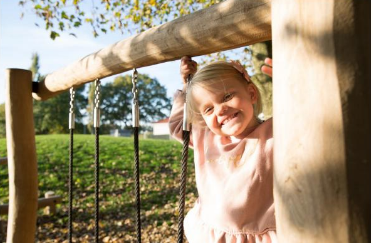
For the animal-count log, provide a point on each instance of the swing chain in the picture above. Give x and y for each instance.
(96, 112)
(71, 113)
(135, 101)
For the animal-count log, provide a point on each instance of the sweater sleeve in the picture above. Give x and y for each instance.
(176, 118)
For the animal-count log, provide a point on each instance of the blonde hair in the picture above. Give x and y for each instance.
(207, 77)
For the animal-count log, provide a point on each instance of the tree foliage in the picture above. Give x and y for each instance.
(110, 15)
(126, 16)
(131, 17)
(259, 52)
(52, 116)
(116, 101)
(35, 66)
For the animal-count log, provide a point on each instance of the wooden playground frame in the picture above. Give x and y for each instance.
(321, 94)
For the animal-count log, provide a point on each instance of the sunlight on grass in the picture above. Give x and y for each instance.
(159, 169)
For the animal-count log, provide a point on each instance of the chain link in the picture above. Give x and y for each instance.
(134, 88)
(71, 112)
(72, 99)
(97, 93)
(96, 112)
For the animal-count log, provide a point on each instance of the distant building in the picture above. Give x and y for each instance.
(160, 129)
(120, 133)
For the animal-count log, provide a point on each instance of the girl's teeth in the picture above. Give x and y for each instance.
(228, 119)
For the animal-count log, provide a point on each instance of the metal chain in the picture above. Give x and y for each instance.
(96, 121)
(135, 124)
(71, 127)
(71, 111)
(72, 99)
(134, 87)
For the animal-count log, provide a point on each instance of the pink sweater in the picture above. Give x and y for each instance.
(234, 182)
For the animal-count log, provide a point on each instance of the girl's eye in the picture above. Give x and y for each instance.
(207, 110)
(228, 97)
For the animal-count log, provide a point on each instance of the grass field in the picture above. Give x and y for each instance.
(159, 168)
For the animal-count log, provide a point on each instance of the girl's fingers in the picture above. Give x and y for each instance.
(185, 58)
(267, 70)
(268, 61)
(187, 67)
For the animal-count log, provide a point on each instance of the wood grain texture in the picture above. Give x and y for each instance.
(317, 163)
(22, 167)
(228, 25)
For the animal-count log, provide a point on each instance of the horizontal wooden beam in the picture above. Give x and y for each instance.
(42, 203)
(227, 25)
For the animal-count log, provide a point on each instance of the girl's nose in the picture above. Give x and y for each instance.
(221, 109)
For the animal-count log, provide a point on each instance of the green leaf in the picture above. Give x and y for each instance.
(53, 35)
(61, 25)
(64, 15)
(38, 6)
(77, 24)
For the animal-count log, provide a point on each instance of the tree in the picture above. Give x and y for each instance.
(35, 66)
(52, 116)
(113, 15)
(264, 83)
(126, 16)
(136, 16)
(116, 101)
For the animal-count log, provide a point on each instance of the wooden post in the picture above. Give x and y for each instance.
(22, 167)
(321, 104)
(227, 25)
(51, 209)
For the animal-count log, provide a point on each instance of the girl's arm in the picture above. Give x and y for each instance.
(176, 118)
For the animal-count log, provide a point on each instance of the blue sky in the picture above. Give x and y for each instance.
(19, 38)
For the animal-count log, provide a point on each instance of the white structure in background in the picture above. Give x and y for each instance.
(161, 129)
(120, 133)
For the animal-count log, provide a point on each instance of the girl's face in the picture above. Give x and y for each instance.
(228, 110)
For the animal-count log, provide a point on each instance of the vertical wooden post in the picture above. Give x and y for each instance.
(51, 208)
(321, 104)
(23, 185)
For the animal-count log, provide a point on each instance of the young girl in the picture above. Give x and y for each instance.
(233, 152)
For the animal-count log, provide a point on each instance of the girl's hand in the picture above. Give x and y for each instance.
(187, 67)
(267, 67)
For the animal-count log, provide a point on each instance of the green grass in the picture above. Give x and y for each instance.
(159, 169)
